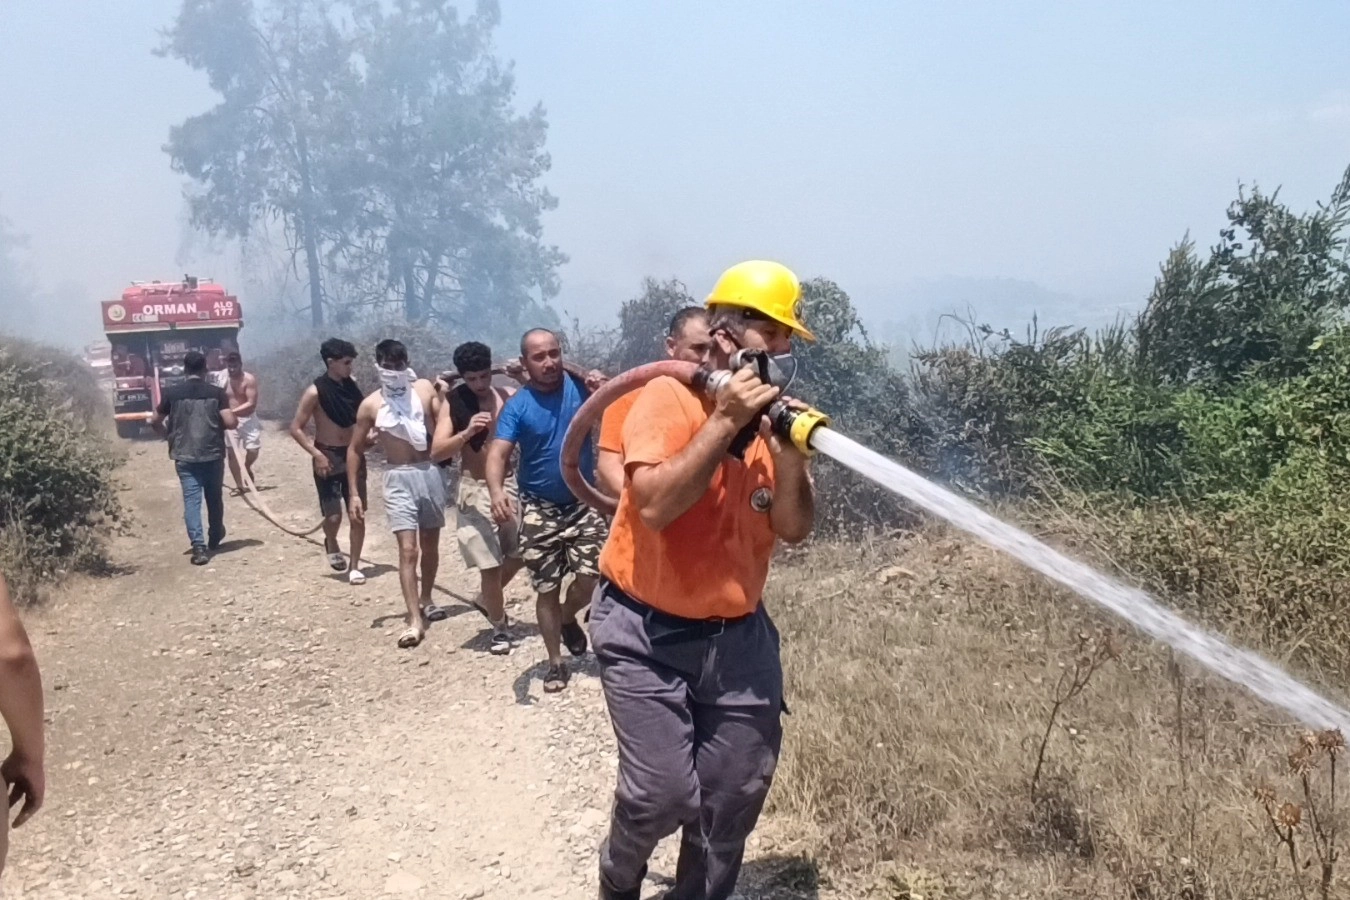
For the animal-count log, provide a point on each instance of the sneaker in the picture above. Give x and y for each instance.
(574, 638)
(199, 555)
(500, 645)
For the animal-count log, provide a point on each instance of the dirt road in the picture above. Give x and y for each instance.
(249, 729)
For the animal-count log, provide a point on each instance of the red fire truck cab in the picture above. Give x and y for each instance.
(152, 327)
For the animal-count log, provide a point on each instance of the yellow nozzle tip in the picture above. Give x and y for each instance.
(804, 425)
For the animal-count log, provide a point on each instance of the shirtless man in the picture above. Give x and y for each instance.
(404, 410)
(486, 545)
(242, 389)
(331, 403)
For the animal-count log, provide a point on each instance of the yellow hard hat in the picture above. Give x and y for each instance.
(768, 288)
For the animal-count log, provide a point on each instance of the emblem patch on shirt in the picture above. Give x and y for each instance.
(761, 500)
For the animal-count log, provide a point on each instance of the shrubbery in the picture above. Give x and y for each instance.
(57, 496)
(1207, 443)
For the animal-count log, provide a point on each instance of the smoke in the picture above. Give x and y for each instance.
(52, 315)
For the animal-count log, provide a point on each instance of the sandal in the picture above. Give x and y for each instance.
(337, 562)
(555, 679)
(410, 638)
(433, 613)
(356, 576)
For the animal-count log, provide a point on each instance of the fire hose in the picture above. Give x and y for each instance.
(804, 428)
(790, 422)
(252, 496)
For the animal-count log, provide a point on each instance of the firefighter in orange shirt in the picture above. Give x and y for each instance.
(689, 657)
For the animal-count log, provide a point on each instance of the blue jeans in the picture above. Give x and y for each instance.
(198, 478)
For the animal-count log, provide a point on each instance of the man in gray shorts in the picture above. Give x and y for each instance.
(404, 412)
(468, 421)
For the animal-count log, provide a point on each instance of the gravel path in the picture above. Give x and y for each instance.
(249, 729)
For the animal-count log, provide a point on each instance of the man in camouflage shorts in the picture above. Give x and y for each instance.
(558, 533)
(558, 538)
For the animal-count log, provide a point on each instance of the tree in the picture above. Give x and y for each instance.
(382, 136)
(455, 209)
(270, 150)
(644, 322)
(1273, 284)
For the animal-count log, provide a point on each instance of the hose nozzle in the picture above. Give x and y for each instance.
(797, 425)
(789, 423)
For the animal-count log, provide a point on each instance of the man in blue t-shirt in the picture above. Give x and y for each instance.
(558, 533)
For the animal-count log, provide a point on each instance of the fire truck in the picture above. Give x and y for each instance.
(151, 328)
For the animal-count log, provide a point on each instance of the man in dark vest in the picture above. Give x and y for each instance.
(331, 403)
(194, 416)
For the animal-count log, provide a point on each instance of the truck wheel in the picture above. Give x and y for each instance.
(129, 430)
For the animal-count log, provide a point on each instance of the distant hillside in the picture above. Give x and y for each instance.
(925, 310)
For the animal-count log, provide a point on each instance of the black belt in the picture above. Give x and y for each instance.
(671, 629)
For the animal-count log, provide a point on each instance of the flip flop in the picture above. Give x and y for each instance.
(356, 576)
(409, 638)
(337, 562)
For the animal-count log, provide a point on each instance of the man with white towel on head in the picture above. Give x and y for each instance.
(403, 413)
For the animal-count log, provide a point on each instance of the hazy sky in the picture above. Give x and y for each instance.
(879, 143)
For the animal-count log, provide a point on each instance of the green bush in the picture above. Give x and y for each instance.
(57, 496)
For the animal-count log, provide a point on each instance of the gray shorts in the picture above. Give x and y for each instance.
(414, 497)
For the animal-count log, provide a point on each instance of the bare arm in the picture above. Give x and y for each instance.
(229, 419)
(665, 491)
(21, 708)
(448, 442)
(794, 504)
(609, 472)
(304, 414)
(498, 456)
(365, 420)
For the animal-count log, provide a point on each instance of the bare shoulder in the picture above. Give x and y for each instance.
(371, 405)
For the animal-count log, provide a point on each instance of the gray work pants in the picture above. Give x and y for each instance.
(697, 717)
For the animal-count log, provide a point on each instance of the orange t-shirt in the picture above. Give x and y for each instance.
(611, 423)
(713, 560)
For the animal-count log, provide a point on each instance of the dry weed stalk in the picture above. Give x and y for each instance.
(1183, 761)
(1285, 818)
(1092, 654)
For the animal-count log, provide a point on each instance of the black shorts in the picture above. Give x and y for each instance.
(334, 495)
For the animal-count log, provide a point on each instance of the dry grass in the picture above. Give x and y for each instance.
(921, 679)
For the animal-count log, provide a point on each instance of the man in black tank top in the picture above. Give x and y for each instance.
(486, 545)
